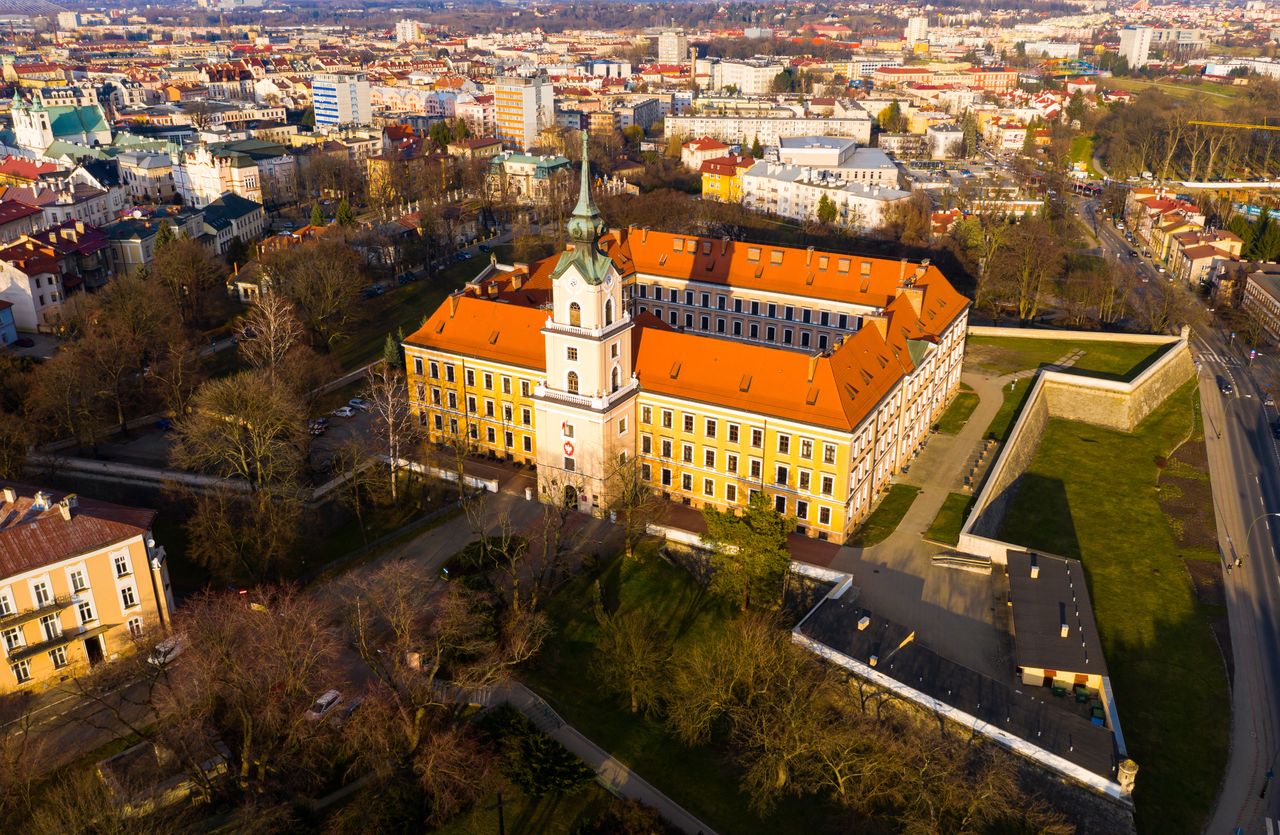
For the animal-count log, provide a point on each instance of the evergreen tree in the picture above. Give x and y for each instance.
(826, 210)
(757, 150)
(391, 352)
(749, 554)
(317, 219)
(164, 236)
(345, 216)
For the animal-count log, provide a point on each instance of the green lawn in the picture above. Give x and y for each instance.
(885, 518)
(1091, 493)
(524, 815)
(950, 519)
(1180, 89)
(1014, 396)
(700, 779)
(1082, 148)
(957, 414)
(401, 307)
(1000, 355)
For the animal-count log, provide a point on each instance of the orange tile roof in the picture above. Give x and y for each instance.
(486, 329)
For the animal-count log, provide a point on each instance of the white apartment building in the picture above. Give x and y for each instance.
(523, 107)
(917, 30)
(673, 48)
(408, 31)
(749, 78)
(795, 192)
(738, 130)
(839, 159)
(1051, 49)
(1135, 45)
(341, 99)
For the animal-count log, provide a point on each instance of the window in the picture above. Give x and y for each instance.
(488, 408)
(22, 671)
(49, 627)
(688, 297)
(567, 429)
(686, 453)
(41, 593)
(666, 447)
(448, 373)
(622, 426)
(688, 320)
(473, 431)
(709, 459)
(788, 313)
(508, 439)
(802, 509)
(526, 417)
(646, 472)
(828, 484)
(786, 336)
(488, 381)
(78, 583)
(489, 435)
(453, 400)
(471, 405)
(646, 414)
(737, 305)
(705, 322)
(711, 428)
(571, 354)
(613, 351)
(731, 463)
(570, 465)
(686, 482)
(688, 423)
(773, 311)
(506, 412)
(608, 312)
(524, 388)
(135, 627)
(85, 611)
(575, 315)
(780, 504)
(757, 438)
(667, 418)
(737, 328)
(506, 385)
(781, 475)
(127, 598)
(708, 487)
(471, 377)
(12, 638)
(666, 477)
(719, 325)
(755, 308)
(757, 467)
(806, 448)
(528, 444)
(828, 453)
(770, 333)
(706, 299)
(439, 423)
(672, 296)
(802, 479)
(731, 492)
(6, 605)
(417, 366)
(571, 382)
(646, 445)
(58, 655)
(733, 433)
(784, 444)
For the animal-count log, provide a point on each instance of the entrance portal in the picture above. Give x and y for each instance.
(93, 649)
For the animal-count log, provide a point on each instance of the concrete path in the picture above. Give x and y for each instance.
(951, 611)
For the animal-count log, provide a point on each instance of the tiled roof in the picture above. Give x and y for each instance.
(30, 538)
(492, 330)
(11, 210)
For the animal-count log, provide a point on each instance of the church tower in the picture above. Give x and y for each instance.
(586, 404)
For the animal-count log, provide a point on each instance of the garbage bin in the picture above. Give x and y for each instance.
(528, 494)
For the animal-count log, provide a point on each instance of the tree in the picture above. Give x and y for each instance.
(164, 235)
(631, 657)
(1028, 262)
(317, 219)
(321, 280)
(188, 273)
(15, 441)
(826, 210)
(270, 332)
(394, 422)
(632, 502)
(757, 150)
(891, 119)
(749, 554)
(61, 398)
(244, 426)
(344, 216)
(908, 221)
(243, 536)
(392, 353)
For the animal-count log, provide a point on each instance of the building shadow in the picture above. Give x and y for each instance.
(1037, 515)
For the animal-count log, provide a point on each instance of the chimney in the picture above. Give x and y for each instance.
(644, 235)
(67, 505)
(724, 244)
(453, 303)
(808, 256)
(1035, 567)
(41, 500)
(10, 495)
(879, 322)
(813, 366)
(902, 270)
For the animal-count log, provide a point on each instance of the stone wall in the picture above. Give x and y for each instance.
(1069, 396)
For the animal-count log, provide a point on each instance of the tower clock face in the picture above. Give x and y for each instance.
(608, 279)
(573, 283)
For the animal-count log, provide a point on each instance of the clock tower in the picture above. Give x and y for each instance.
(586, 404)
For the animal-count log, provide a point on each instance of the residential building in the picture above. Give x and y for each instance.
(697, 151)
(527, 179)
(1262, 299)
(722, 177)
(8, 327)
(409, 31)
(642, 113)
(766, 380)
(673, 48)
(133, 239)
(1135, 45)
(341, 99)
(38, 271)
(484, 147)
(1052, 49)
(206, 172)
(83, 581)
(796, 192)
(477, 112)
(840, 159)
(147, 176)
(522, 108)
(743, 130)
(748, 78)
(18, 219)
(232, 217)
(917, 30)
(945, 142)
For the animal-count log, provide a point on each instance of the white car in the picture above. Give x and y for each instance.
(344, 412)
(167, 650)
(323, 705)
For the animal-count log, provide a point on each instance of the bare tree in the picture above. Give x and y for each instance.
(397, 427)
(269, 333)
(321, 280)
(632, 501)
(632, 653)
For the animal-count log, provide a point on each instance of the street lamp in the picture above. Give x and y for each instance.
(1249, 533)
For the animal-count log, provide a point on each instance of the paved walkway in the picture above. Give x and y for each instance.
(951, 611)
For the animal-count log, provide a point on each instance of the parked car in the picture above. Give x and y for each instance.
(406, 277)
(344, 713)
(359, 403)
(167, 650)
(318, 427)
(486, 249)
(344, 412)
(1269, 400)
(321, 707)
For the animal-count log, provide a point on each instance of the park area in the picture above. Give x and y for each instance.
(1137, 522)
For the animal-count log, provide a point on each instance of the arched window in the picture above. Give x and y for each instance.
(572, 382)
(615, 378)
(608, 313)
(575, 314)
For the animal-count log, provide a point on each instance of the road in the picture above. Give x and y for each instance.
(1244, 470)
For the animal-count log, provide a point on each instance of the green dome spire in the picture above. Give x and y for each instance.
(585, 226)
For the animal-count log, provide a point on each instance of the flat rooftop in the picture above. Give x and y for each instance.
(1053, 625)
